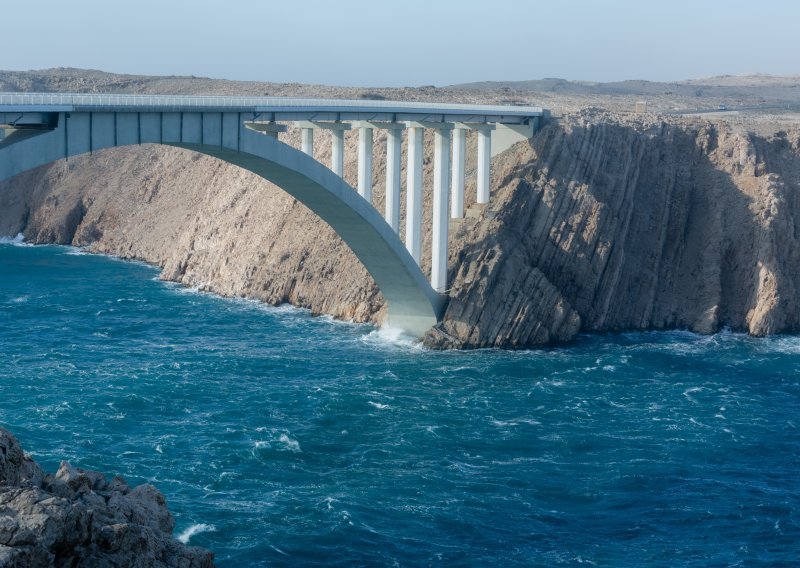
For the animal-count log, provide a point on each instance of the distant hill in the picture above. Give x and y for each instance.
(728, 86)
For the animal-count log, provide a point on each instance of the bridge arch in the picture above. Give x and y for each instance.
(412, 304)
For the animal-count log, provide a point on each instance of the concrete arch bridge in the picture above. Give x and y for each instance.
(36, 129)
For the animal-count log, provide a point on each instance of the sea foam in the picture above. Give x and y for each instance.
(193, 530)
(388, 336)
(18, 241)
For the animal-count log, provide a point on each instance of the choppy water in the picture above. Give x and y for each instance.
(282, 439)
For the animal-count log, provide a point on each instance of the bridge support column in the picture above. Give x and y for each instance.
(337, 152)
(441, 173)
(414, 193)
(394, 144)
(307, 141)
(457, 187)
(484, 161)
(337, 140)
(393, 167)
(365, 162)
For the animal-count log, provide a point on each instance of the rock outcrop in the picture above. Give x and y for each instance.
(79, 518)
(603, 222)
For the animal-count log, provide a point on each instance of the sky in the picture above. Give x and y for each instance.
(406, 42)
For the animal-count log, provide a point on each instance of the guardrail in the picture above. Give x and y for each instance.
(162, 102)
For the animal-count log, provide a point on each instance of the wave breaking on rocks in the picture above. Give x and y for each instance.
(77, 517)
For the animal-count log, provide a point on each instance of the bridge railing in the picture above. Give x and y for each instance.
(258, 104)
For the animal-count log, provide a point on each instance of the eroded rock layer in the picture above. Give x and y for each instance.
(602, 223)
(609, 225)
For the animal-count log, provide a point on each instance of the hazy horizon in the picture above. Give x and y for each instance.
(530, 79)
(369, 44)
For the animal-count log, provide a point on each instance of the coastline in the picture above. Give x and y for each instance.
(605, 221)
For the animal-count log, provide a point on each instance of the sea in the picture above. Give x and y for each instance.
(284, 439)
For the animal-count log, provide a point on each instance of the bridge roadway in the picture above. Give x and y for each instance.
(39, 128)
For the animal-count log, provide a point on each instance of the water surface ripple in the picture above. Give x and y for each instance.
(283, 439)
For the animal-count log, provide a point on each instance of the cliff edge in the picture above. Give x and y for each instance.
(602, 222)
(77, 517)
(609, 224)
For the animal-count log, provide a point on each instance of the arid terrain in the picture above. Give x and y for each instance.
(609, 219)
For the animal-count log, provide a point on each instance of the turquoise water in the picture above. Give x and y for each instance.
(283, 439)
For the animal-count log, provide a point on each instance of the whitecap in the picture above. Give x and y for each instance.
(388, 336)
(289, 443)
(18, 241)
(74, 251)
(378, 405)
(19, 300)
(503, 424)
(193, 530)
(278, 550)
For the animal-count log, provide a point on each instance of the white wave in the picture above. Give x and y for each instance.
(193, 530)
(19, 300)
(289, 443)
(75, 251)
(388, 336)
(782, 344)
(18, 241)
(378, 405)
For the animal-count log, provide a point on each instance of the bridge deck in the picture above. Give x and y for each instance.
(270, 108)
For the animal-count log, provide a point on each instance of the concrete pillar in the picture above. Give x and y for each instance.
(484, 164)
(365, 162)
(337, 140)
(337, 152)
(307, 141)
(414, 193)
(457, 187)
(441, 173)
(393, 166)
(393, 148)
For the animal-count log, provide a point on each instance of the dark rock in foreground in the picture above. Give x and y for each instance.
(78, 518)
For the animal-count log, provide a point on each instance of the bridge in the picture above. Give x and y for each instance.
(40, 128)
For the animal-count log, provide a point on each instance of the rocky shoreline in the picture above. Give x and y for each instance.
(79, 518)
(605, 221)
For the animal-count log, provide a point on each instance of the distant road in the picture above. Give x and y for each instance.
(732, 108)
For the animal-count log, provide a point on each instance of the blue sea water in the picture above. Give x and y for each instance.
(282, 439)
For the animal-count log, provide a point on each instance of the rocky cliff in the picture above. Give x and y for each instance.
(79, 518)
(609, 224)
(605, 221)
(602, 223)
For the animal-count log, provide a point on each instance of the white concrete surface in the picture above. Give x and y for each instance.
(441, 179)
(414, 193)
(337, 152)
(394, 144)
(457, 181)
(365, 163)
(307, 141)
(484, 164)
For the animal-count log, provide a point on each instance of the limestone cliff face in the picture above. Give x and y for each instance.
(600, 223)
